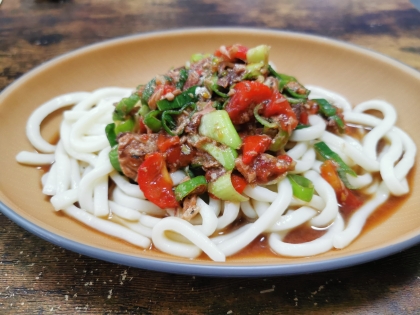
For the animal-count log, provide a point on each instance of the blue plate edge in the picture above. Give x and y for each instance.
(202, 269)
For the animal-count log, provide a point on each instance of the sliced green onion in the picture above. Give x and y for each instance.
(325, 107)
(297, 95)
(144, 109)
(258, 54)
(189, 186)
(218, 126)
(152, 122)
(225, 156)
(125, 106)
(343, 168)
(179, 101)
(113, 158)
(198, 57)
(293, 100)
(263, 121)
(328, 110)
(124, 126)
(148, 91)
(110, 134)
(168, 123)
(340, 123)
(223, 189)
(253, 70)
(284, 79)
(215, 87)
(279, 141)
(183, 76)
(302, 187)
(301, 126)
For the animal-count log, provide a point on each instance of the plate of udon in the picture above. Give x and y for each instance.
(217, 152)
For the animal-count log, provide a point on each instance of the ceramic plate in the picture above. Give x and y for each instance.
(356, 73)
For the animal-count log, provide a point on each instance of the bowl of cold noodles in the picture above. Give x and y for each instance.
(226, 152)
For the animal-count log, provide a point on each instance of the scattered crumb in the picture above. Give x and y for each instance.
(229, 312)
(267, 291)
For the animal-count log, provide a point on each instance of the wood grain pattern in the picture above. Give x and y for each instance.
(37, 277)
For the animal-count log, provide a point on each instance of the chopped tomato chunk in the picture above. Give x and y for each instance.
(279, 106)
(230, 53)
(165, 142)
(345, 197)
(254, 145)
(155, 181)
(247, 95)
(238, 182)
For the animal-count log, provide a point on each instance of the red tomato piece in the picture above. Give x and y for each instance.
(238, 182)
(304, 118)
(254, 145)
(279, 106)
(167, 88)
(247, 95)
(345, 197)
(155, 182)
(142, 126)
(268, 167)
(230, 53)
(165, 142)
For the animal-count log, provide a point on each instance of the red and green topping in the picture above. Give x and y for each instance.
(224, 119)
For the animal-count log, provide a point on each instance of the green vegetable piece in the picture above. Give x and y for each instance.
(183, 76)
(328, 110)
(301, 126)
(168, 123)
(253, 70)
(297, 95)
(340, 123)
(225, 156)
(279, 141)
(215, 87)
(258, 54)
(124, 126)
(284, 79)
(198, 57)
(294, 100)
(218, 126)
(262, 120)
(223, 189)
(302, 187)
(189, 186)
(152, 122)
(325, 108)
(125, 106)
(110, 134)
(144, 109)
(343, 168)
(179, 101)
(148, 91)
(113, 158)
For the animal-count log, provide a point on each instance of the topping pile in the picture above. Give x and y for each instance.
(224, 119)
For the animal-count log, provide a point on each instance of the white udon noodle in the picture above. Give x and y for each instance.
(81, 170)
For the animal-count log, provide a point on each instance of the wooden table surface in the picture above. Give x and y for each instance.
(37, 277)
